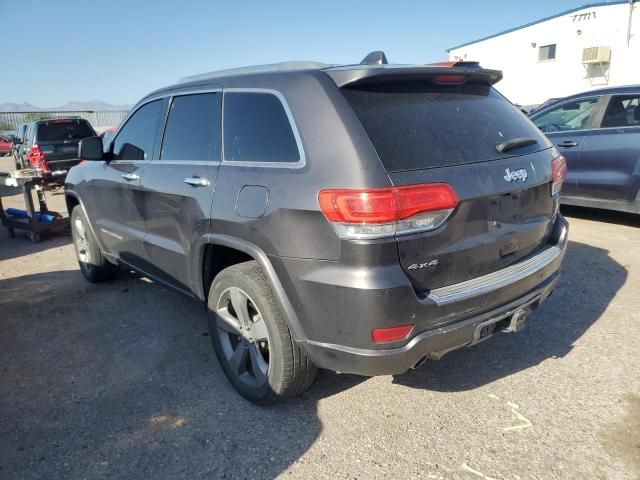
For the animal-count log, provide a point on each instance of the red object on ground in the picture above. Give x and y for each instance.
(5, 145)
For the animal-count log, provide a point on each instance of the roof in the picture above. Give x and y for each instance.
(273, 67)
(567, 12)
(341, 74)
(621, 90)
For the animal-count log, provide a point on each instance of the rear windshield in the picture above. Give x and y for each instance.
(58, 130)
(416, 126)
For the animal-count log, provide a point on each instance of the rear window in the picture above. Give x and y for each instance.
(59, 130)
(417, 126)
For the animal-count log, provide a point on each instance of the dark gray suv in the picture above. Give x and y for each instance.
(359, 218)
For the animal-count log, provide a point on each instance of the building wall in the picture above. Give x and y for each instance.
(528, 81)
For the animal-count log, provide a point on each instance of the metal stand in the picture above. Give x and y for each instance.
(31, 224)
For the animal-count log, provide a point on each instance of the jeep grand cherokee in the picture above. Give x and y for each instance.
(359, 218)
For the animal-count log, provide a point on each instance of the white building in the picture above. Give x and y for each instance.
(582, 49)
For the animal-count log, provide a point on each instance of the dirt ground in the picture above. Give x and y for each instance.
(120, 381)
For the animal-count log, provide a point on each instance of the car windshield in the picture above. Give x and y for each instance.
(58, 130)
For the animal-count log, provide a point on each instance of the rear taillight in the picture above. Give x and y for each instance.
(558, 174)
(38, 159)
(384, 212)
(391, 334)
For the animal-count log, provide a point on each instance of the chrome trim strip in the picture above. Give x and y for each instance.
(493, 281)
(296, 134)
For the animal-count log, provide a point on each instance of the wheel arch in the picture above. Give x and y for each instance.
(246, 251)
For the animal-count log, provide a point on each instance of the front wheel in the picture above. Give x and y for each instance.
(252, 340)
(93, 265)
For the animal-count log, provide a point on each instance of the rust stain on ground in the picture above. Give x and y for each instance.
(622, 439)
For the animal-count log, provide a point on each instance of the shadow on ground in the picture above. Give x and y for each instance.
(120, 380)
(576, 304)
(598, 215)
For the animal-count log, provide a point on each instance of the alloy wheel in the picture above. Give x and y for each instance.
(243, 336)
(80, 241)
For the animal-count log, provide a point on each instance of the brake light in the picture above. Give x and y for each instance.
(38, 159)
(449, 79)
(392, 334)
(558, 174)
(384, 212)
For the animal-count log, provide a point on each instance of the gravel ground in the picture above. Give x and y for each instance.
(120, 381)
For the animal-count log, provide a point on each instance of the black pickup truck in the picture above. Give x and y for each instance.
(52, 145)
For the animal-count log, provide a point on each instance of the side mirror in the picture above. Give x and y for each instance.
(131, 152)
(16, 141)
(91, 149)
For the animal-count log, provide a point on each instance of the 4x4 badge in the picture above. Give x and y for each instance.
(516, 175)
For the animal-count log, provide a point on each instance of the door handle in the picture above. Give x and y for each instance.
(130, 177)
(568, 143)
(197, 182)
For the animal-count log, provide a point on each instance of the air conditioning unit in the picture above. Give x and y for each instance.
(596, 55)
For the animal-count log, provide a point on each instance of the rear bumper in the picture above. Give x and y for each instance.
(339, 305)
(431, 344)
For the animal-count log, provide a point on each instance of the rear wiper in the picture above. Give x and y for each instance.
(515, 143)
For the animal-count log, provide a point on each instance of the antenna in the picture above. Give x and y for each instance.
(375, 58)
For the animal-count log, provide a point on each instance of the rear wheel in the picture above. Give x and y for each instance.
(93, 265)
(252, 340)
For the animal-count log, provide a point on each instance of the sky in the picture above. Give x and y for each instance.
(119, 50)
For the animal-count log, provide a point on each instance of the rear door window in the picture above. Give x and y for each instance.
(193, 128)
(257, 129)
(418, 125)
(573, 115)
(136, 139)
(622, 111)
(60, 130)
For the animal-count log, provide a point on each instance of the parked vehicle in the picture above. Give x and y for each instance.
(5, 145)
(337, 237)
(598, 132)
(52, 144)
(17, 143)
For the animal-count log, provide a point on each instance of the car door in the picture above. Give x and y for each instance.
(566, 125)
(111, 196)
(177, 188)
(610, 162)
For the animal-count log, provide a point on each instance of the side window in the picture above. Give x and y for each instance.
(136, 139)
(193, 128)
(257, 129)
(574, 115)
(547, 52)
(623, 111)
(29, 135)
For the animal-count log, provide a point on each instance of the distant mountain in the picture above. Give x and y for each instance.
(18, 107)
(69, 106)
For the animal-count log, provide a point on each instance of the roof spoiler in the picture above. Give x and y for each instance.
(451, 75)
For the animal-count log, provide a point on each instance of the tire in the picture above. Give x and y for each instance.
(262, 362)
(93, 265)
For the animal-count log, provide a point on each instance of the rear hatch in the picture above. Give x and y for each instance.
(59, 140)
(445, 126)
